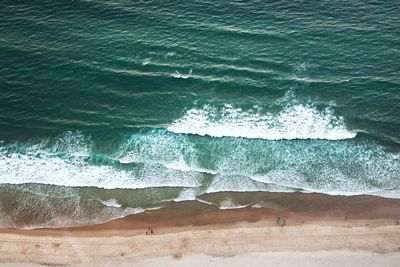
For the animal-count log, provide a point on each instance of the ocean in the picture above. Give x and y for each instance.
(111, 108)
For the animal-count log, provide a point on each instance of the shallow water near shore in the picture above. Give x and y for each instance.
(110, 109)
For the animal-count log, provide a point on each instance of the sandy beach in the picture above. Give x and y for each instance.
(318, 231)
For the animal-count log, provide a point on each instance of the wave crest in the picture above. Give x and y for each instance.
(292, 122)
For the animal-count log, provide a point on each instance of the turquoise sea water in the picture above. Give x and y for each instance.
(108, 108)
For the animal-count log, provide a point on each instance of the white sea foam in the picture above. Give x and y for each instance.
(235, 183)
(162, 150)
(111, 203)
(112, 213)
(19, 169)
(339, 169)
(346, 168)
(146, 61)
(164, 159)
(182, 166)
(64, 162)
(175, 165)
(296, 121)
(158, 147)
(206, 202)
(187, 194)
(127, 159)
(179, 75)
(229, 203)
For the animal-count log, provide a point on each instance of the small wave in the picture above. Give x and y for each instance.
(229, 203)
(187, 194)
(180, 166)
(111, 203)
(206, 202)
(240, 30)
(243, 183)
(179, 75)
(321, 80)
(126, 160)
(131, 211)
(146, 61)
(293, 122)
(158, 147)
(174, 165)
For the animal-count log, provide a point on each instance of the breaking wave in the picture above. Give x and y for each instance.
(66, 161)
(297, 121)
(160, 159)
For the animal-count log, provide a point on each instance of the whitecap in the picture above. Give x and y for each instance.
(111, 203)
(297, 121)
(146, 61)
(179, 75)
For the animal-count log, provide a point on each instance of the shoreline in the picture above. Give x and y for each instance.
(188, 231)
(251, 206)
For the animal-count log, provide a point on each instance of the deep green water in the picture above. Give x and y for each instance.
(111, 107)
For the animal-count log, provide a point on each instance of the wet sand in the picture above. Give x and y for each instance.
(319, 230)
